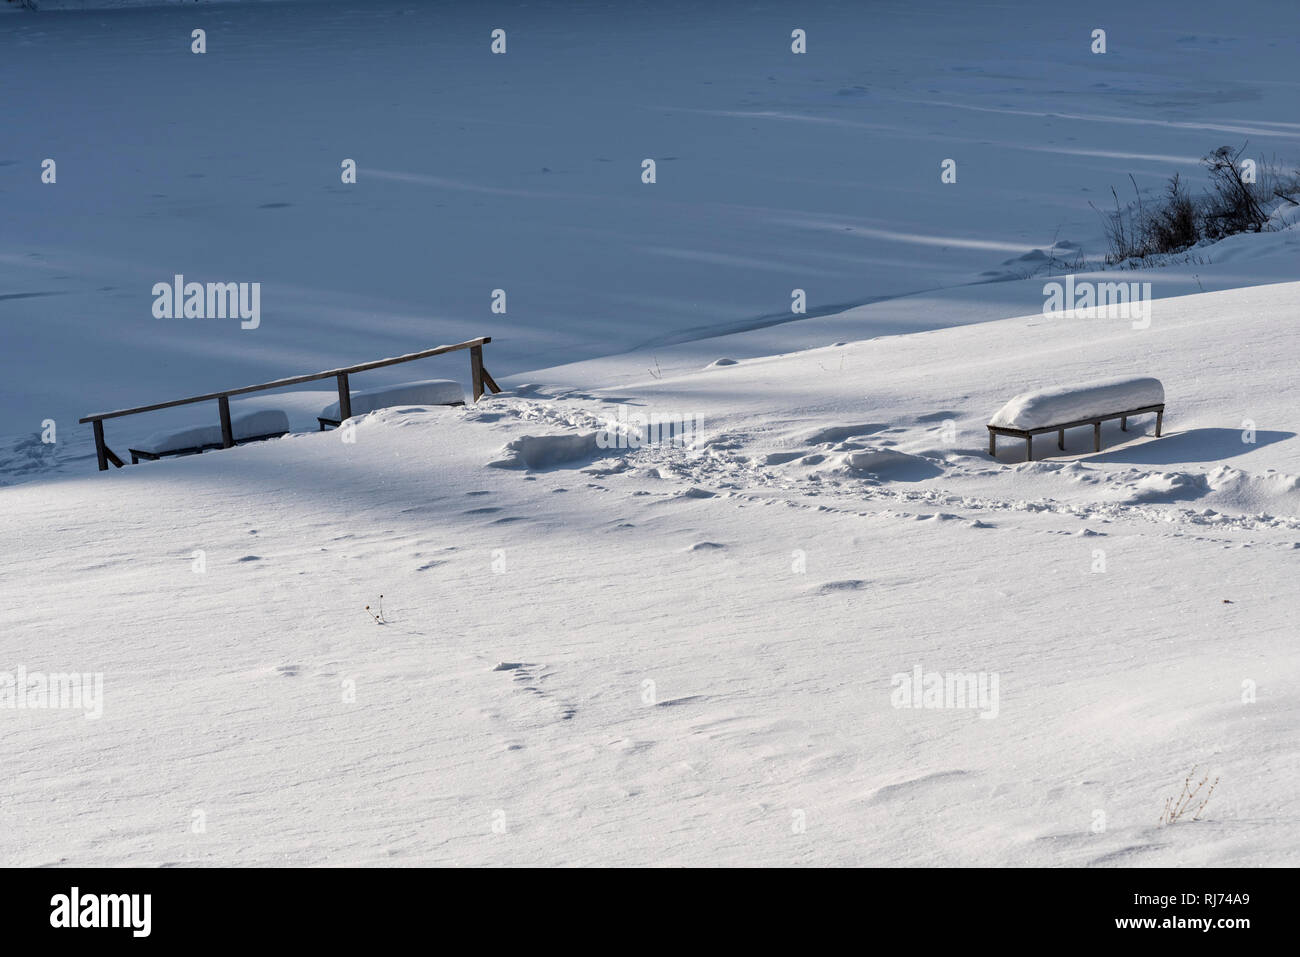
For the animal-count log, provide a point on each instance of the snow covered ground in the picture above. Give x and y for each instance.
(668, 655)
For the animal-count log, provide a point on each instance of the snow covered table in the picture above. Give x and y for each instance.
(250, 427)
(1066, 407)
(422, 392)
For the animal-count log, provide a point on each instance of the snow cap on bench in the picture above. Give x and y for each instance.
(1103, 397)
(422, 392)
(247, 426)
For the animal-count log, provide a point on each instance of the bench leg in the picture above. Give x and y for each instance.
(1123, 423)
(1060, 440)
(1096, 436)
(1029, 448)
(1160, 418)
(993, 444)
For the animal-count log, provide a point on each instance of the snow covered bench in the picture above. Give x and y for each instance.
(250, 427)
(1067, 407)
(422, 392)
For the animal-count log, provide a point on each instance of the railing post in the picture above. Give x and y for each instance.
(227, 433)
(345, 398)
(476, 370)
(100, 454)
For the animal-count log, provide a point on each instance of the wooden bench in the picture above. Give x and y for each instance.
(138, 454)
(1095, 422)
(255, 425)
(1030, 408)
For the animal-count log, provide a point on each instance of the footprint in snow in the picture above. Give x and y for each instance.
(780, 458)
(848, 584)
(520, 671)
(674, 702)
(908, 789)
(694, 492)
(1125, 855)
(838, 433)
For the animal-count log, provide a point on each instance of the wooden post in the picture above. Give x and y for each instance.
(993, 443)
(1029, 448)
(1160, 417)
(1060, 440)
(345, 398)
(99, 445)
(227, 432)
(1096, 436)
(476, 370)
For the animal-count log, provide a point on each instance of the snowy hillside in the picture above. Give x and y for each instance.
(668, 656)
(715, 652)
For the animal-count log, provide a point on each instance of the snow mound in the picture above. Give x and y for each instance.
(265, 422)
(547, 451)
(1045, 407)
(1225, 487)
(838, 433)
(1250, 492)
(421, 392)
(891, 464)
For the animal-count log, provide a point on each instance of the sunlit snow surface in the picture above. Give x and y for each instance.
(643, 656)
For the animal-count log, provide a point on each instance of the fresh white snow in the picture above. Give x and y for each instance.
(706, 641)
(595, 651)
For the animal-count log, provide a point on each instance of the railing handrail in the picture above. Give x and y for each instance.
(293, 380)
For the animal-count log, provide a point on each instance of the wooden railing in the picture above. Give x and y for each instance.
(478, 374)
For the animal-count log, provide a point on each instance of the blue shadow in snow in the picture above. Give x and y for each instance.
(1194, 445)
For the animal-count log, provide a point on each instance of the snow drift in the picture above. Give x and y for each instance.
(421, 392)
(247, 426)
